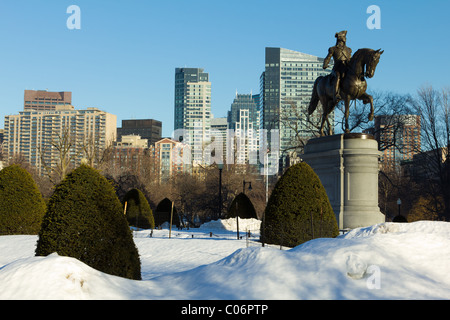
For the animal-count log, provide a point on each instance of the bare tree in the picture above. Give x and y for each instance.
(57, 158)
(96, 153)
(64, 151)
(434, 109)
(302, 126)
(233, 177)
(385, 104)
(187, 193)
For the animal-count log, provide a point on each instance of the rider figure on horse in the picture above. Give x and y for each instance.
(341, 55)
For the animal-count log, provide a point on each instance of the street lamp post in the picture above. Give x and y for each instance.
(220, 166)
(399, 217)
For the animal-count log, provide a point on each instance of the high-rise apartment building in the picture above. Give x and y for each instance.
(286, 87)
(193, 110)
(45, 100)
(146, 128)
(36, 135)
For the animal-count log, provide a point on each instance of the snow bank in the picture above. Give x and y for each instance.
(52, 277)
(385, 261)
(425, 227)
(252, 225)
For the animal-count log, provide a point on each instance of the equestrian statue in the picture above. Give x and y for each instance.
(346, 81)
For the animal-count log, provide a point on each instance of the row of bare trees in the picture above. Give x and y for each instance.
(193, 194)
(203, 194)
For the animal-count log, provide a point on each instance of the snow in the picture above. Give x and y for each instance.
(384, 261)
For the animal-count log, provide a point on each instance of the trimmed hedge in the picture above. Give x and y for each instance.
(245, 208)
(138, 212)
(21, 204)
(298, 209)
(85, 220)
(162, 213)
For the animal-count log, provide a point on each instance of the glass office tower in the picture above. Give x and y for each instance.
(243, 119)
(286, 87)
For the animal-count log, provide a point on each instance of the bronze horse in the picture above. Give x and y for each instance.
(352, 87)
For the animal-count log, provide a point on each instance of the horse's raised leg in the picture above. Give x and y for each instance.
(367, 98)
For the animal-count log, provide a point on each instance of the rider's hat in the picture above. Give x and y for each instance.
(341, 34)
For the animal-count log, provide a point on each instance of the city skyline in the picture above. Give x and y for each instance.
(123, 50)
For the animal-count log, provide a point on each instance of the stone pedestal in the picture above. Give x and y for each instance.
(347, 165)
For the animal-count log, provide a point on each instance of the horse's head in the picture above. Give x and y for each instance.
(372, 61)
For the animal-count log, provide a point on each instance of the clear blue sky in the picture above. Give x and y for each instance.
(124, 57)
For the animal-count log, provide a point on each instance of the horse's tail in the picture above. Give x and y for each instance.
(314, 98)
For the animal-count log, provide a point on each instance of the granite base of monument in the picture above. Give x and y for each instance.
(347, 165)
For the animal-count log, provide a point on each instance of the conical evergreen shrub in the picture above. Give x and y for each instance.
(138, 211)
(298, 209)
(162, 213)
(85, 220)
(245, 208)
(21, 205)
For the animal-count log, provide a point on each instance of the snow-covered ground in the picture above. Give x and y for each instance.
(385, 261)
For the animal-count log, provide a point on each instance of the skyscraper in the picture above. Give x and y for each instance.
(286, 87)
(193, 110)
(243, 118)
(243, 101)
